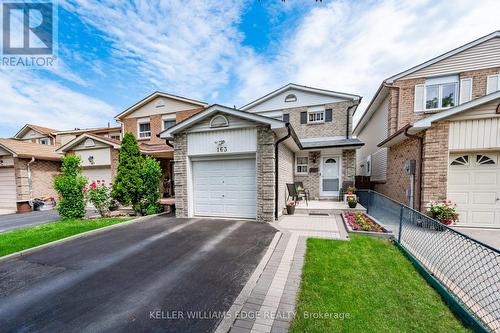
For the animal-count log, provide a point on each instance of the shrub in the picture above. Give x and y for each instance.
(99, 195)
(128, 184)
(151, 173)
(69, 185)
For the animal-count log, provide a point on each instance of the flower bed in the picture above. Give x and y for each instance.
(358, 221)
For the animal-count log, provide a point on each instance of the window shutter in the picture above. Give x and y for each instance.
(419, 103)
(328, 115)
(491, 84)
(303, 117)
(286, 117)
(465, 90)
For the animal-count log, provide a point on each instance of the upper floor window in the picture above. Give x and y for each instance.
(437, 93)
(44, 141)
(492, 84)
(290, 98)
(144, 130)
(115, 136)
(167, 123)
(316, 115)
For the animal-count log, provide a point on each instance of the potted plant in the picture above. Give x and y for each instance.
(352, 201)
(350, 190)
(290, 207)
(443, 211)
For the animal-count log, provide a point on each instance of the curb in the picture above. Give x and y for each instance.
(22, 253)
(226, 323)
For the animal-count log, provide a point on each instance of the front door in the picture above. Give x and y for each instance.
(330, 171)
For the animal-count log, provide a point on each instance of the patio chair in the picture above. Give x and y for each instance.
(294, 194)
(302, 190)
(343, 190)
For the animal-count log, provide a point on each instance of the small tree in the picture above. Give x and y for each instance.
(151, 173)
(69, 185)
(128, 184)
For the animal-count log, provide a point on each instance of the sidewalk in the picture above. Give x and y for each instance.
(270, 306)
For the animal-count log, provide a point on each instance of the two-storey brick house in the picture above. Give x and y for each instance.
(236, 162)
(444, 115)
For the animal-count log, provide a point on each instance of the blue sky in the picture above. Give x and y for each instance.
(114, 53)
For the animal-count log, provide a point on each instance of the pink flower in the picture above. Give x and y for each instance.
(98, 181)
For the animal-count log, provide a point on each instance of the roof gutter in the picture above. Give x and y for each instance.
(276, 151)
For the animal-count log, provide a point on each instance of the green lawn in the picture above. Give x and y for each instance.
(373, 282)
(21, 239)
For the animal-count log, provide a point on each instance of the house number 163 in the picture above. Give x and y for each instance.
(222, 149)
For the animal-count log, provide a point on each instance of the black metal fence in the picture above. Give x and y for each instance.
(468, 269)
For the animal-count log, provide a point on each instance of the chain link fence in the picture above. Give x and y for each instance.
(468, 269)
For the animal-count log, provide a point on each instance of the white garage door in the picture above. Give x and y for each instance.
(7, 188)
(103, 173)
(225, 188)
(474, 185)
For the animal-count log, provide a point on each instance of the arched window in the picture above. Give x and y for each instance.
(89, 143)
(219, 121)
(462, 160)
(331, 160)
(160, 103)
(290, 98)
(483, 159)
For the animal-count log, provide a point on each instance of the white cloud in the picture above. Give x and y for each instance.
(26, 98)
(352, 46)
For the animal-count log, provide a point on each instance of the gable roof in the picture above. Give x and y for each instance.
(89, 130)
(443, 56)
(154, 95)
(301, 88)
(215, 108)
(36, 128)
(111, 142)
(427, 122)
(27, 149)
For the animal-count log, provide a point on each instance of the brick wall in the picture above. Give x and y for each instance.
(406, 101)
(182, 115)
(393, 111)
(337, 127)
(348, 165)
(398, 182)
(42, 175)
(285, 174)
(115, 154)
(265, 174)
(479, 78)
(312, 179)
(435, 163)
(180, 175)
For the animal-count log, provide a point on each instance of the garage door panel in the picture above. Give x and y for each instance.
(482, 217)
(484, 198)
(459, 197)
(225, 188)
(98, 174)
(459, 178)
(485, 178)
(7, 188)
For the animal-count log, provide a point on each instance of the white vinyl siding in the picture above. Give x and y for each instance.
(474, 134)
(241, 140)
(465, 90)
(492, 84)
(484, 55)
(379, 166)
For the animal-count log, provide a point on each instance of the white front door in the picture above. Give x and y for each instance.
(225, 188)
(330, 176)
(474, 185)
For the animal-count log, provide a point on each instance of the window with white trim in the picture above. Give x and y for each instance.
(436, 94)
(290, 98)
(144, 130)
(301, 165)
(115, 136)
(492, 84)
(44, 141)
(316, 114)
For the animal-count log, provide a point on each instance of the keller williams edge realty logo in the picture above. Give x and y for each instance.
(29, 33)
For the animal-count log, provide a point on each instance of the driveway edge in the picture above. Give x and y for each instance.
(226, 323)
(77, 236)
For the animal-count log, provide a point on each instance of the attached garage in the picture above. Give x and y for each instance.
(474, 185)
(100, 173)
(225, 188)
(7, 188)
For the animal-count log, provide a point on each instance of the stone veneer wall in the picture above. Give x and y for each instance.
(285, 174)
(312, 179)
(180, 175)
(265, 174)
(348, 165)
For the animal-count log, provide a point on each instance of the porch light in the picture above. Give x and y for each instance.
(91, 160)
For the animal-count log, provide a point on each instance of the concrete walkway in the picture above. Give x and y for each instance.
(270, 307)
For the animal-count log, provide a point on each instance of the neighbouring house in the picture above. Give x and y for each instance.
(27, 170)
(99, 155)
(444, 116)
(50, 136)
(236, 162)
(152, 115)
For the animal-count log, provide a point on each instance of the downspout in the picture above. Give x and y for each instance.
(420, 163)
(276, 149)
(167, 142)
(348, 113)
(30, 181)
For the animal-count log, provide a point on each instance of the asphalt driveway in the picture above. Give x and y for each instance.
(16, 221)
(147, 276)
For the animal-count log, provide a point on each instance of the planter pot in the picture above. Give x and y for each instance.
(290, 210)
(352, 204)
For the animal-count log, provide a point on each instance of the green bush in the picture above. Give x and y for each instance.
(69, 185)
(128, 184)
(99, 195)
(151, 173)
